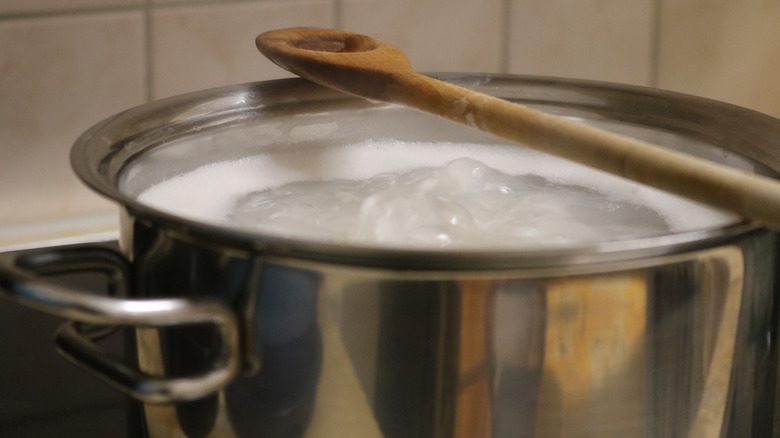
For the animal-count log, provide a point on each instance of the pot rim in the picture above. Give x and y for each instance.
(101, 154)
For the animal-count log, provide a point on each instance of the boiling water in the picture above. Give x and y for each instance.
(430, 195)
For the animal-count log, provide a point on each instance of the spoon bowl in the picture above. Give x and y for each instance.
(345, 61)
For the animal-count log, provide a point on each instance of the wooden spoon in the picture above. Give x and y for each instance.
(365, 67)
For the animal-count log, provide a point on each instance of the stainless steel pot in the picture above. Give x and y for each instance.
(240, 334)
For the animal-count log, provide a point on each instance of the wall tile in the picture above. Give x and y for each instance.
(724, 50)
(436, 35)
(167, 2)
(39, 6)
(59, 76)
(609, 40)
(197, 47)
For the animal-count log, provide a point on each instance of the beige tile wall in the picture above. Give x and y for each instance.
(722, 49)
(201, 46)
(58, 76)
(608, 40)
(436, 35)
(66, 64)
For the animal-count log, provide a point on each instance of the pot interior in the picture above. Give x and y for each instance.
(281, 119)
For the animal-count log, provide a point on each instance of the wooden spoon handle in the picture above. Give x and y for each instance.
(710, 183)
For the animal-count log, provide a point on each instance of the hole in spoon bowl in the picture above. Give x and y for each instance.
(336, 45)
(318, 44)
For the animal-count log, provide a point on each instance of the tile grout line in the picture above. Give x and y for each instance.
(148, 35)
(505, 30)
(655, 44)
(54, 13)
(176, 5)
(22, 15)
(337, 20)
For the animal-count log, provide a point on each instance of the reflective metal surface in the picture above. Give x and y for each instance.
(646, 348)
(659, 338)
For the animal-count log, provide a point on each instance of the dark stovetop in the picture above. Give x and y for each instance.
(42, 394)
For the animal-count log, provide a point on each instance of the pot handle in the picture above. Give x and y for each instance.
(21, 280)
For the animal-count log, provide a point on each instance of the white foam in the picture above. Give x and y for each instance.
(210, 192)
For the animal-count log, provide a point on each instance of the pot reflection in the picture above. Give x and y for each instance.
(274, 395)
(277, 399)
(639, 352)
